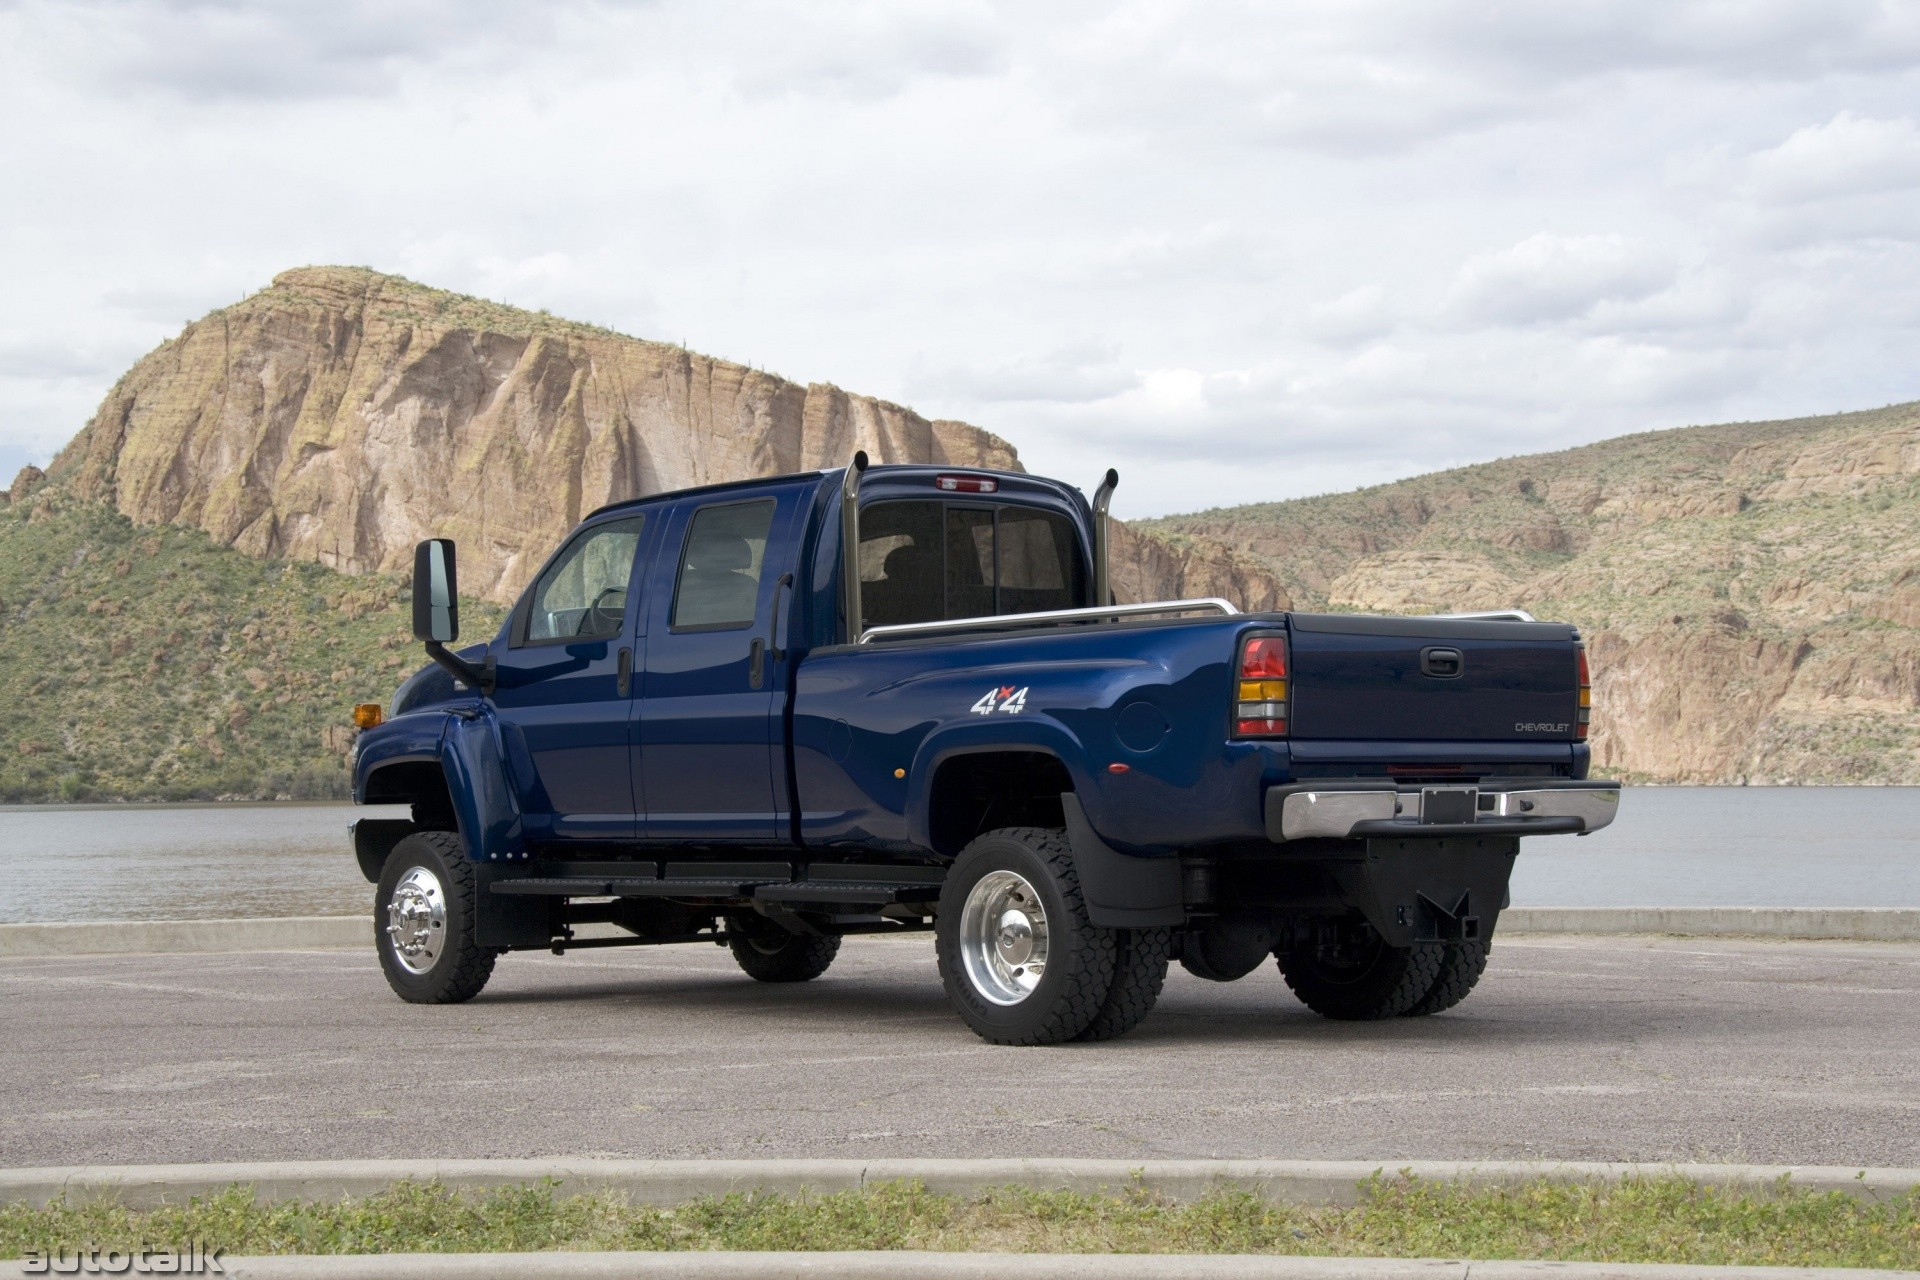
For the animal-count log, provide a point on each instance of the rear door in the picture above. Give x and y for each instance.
(712, 698)
(1357, 676)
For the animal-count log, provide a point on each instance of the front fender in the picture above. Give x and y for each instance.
(484, 803)
(465, 746)
(408, 739)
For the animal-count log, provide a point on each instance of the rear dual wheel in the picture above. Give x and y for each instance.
(1021, 961)
(1355, 976)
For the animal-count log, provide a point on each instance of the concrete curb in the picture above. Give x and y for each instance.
(305, 933)
(667, 1182)
(906, 1265)
(1855, 924)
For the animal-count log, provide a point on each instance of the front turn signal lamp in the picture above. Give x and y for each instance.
(1260, 702)
(367, 714)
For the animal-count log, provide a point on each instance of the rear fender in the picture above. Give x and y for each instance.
(1023, 733)
(1122, 890)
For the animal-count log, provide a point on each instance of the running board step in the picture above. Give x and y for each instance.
(827, 883)
(845, 892)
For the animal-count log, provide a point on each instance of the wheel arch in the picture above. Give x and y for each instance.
(972, 789)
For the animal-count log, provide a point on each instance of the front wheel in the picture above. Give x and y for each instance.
(1350, 973)
(1021, 962)
(423, 922)
(790, 957)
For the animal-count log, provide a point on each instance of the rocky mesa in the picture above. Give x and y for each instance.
(1750, 592)
(341, 415)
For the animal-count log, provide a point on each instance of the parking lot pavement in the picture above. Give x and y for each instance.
(1572, 1048)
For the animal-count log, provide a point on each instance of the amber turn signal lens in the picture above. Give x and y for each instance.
(367, 714)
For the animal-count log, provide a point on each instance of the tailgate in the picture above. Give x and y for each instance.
(1432, 679)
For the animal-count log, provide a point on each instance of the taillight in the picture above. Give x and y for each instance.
(1585, 712)
(1260, 707)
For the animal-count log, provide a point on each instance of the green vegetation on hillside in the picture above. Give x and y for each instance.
(1750, 592)
(1669, 1220)
(1630, 531)
(152, 664)
(420, 303)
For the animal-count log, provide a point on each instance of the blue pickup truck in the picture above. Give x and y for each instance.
(772, 714)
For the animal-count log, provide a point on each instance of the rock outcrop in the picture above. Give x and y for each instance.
(1750, 592)
(342, 415)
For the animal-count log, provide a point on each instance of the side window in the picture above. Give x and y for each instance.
(583, 596)
(720, 567)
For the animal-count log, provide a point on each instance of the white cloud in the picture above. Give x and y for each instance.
(1849, 155)
(1247, 250)
(1551, 277)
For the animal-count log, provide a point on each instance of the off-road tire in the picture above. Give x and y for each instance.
(463, 965)
(1141, 957)
(1460, 969)
(1390, 981)
(1080, 963)
(792, 957)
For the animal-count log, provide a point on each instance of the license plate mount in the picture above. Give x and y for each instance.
(1448, 805)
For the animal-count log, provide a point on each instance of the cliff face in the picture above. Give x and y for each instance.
(1750, 592)
(341, 415)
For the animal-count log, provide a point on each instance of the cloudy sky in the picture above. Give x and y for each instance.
(1242, 251)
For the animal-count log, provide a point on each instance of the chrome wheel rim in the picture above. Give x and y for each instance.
(417, 920)
(1003, 937)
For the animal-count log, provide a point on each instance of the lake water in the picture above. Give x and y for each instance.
(1671, 846)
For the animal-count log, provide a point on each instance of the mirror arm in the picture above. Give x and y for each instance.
(481, 677)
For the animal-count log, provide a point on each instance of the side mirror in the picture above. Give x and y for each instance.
(436, 593)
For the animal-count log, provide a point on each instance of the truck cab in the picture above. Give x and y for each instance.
(772, 714)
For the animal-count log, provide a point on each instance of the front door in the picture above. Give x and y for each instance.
(710, 750)
(564, 688)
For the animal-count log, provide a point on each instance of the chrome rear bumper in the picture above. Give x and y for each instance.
(1344, 809)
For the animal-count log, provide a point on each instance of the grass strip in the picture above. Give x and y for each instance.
(1664, 1219)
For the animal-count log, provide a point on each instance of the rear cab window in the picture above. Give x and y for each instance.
(931, 560)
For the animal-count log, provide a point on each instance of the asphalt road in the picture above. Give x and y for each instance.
(1573, 1048)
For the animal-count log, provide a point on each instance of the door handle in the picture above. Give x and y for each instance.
(773, 646)
(623, 679)
(757, 663)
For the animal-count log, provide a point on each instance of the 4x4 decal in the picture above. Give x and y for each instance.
(1006, 698)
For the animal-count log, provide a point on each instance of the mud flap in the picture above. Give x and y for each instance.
(373, 839)
(1432, 890)
(509, 920)
(1122, 891)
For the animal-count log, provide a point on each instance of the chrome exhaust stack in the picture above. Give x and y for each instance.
(1102, 581)
(850, 546)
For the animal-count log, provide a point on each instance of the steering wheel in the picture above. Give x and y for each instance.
(608, 611)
